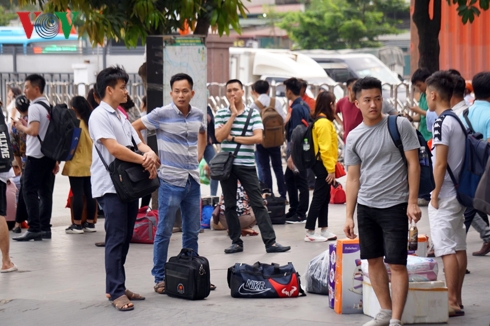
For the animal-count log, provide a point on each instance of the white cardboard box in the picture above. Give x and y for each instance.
(426, 302)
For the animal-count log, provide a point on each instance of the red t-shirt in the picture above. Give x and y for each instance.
(351, 115)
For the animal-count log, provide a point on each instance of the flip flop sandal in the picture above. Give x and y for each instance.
(134, 296)
(212, 287)
(122, 303)
(160, 288)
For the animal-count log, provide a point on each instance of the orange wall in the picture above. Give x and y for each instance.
(463, 47)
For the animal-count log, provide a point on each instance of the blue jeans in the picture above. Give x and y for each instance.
(209, 153)
(171, 198)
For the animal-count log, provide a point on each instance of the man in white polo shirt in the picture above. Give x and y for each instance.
(112, 134)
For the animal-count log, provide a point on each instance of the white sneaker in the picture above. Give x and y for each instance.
(329, 235)
(396, 323)
(382, 319)
(314, 238)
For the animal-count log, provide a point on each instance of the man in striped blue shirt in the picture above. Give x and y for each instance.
(181, 138)
(229, 124)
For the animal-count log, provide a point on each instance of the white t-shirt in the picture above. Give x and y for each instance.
(448, 132)
(266, 100)
(37, 113)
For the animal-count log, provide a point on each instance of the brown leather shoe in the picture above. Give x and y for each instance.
(485, 249)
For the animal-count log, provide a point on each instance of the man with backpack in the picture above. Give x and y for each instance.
(260, 91)
(446, 218)
(385, 189)
(479, 118)
(296, 180)
(40, 170)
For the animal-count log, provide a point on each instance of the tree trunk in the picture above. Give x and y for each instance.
(428, 31)
(204, 19)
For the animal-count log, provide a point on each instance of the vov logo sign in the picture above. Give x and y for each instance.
(47, 25)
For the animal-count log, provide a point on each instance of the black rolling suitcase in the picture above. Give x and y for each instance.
(276, 206)
(187, 276)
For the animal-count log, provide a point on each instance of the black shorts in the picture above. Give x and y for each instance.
(383, 232)
(3, 198)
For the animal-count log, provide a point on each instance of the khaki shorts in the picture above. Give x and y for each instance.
(447, 227)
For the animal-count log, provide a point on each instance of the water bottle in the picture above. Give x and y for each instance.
(413, 238)
(306, 145)
(423, 156)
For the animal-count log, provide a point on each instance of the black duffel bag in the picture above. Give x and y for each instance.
(221, 164)
(264, 281)
(131, 180)
(187, 276)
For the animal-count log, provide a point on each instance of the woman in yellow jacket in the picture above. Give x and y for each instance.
(326, 151)
(78, 171)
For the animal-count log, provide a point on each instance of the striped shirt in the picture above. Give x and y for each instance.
(177, 142)
(246, 154)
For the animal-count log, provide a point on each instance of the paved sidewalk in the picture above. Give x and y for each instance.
(61, 281)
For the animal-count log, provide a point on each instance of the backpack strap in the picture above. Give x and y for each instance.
(272, 103)
(49, 109)
(259, 104)
(467, 119)
(395, 135)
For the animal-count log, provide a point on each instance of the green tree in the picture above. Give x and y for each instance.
(6, 17)
(338, 24)
(428, 28)
(131, 20)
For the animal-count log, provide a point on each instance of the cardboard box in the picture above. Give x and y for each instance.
(332, 247)
(427, 302)
(348, 278)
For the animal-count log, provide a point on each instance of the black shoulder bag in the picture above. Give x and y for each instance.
(131, 180)
(221, 164)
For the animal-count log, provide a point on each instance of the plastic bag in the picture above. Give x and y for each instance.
(316, 275)
(420, 269)
(203, 172)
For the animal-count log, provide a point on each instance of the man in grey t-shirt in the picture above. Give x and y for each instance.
(385, 190)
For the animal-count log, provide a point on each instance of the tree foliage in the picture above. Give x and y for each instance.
(130, 20)
(338, 24)
(6, 17)
(469, 9)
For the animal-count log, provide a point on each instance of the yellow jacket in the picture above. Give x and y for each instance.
(325, 140)
(79, 166)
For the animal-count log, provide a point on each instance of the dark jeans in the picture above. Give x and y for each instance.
(295, 182)
(21, 211)
(250, 182)
(38, 192)
(119, 225)
(274, 154)
(81, 186)
(321, 199)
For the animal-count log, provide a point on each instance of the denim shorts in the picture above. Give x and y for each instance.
(383, 232)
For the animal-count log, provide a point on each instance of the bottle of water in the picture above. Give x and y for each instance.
(306, 145)
(423, 156)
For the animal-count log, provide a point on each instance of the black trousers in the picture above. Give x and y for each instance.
(321, 199)
(295, 183)
(21, 211)
(250, 182)
(81, 186)
(38, 192)
(119, 225)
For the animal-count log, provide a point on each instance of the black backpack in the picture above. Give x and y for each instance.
(63, 134)
(427, 183)
(303, 135)
(6, 153)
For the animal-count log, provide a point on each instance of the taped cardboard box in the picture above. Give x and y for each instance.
(348, 277)
(426, 302)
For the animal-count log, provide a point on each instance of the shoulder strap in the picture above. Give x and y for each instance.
(48, 108)
(244, 131)
(101, 158)
(395, 135)
(467, 119)
(272, 103)
(259, 104)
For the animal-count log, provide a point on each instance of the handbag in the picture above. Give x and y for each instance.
(221, 164)
(131, 180)
(264, 281)
(337, 194)
(339, 170)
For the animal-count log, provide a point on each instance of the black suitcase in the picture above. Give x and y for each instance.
(187, 276)
(276, 206)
